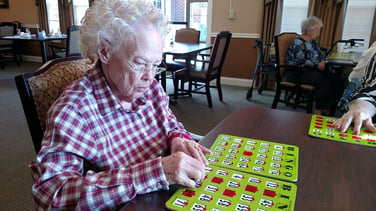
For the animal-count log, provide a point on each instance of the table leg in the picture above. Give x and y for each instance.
(163, 80)
(43, 51)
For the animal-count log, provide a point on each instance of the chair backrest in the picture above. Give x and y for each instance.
(218, 54)
(7, 29)
(39, 89)
(282, 43)
(73, 41)
(187, 35)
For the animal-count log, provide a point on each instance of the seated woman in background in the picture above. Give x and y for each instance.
(305, 52)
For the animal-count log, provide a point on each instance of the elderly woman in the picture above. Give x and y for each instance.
(111, 134)
(305, 52)
(362, 106)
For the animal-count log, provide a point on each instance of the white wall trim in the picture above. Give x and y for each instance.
(236, 81)
(29, 58)
(209, 20)
(240, 35)
(241, 82)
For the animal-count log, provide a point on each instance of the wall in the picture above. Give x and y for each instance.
(246, 26)
(26, 12)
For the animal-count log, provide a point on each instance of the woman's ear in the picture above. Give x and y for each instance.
(104, 51)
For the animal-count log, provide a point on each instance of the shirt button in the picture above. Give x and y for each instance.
(160, 151)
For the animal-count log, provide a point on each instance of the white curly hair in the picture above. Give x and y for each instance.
(114, 22)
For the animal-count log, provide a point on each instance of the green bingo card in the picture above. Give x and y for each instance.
(226, 189)
(260, 157)
(322, 127)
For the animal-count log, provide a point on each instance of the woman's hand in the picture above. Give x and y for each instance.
(322, 65)
(190, 148)
(183, 169)
(360, 113)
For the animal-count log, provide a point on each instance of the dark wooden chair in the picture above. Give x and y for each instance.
(185, 35)
(39, 89)
(72, 47)
(296, 94)
(201, 76)
(8, 46)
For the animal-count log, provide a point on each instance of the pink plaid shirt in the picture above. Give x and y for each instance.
(96, 154)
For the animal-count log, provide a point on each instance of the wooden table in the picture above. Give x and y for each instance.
(349, 59)
(185, 50)
(42, 42)
(332, 175)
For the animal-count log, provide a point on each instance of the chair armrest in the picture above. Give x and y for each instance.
(57, 46)
(57, 49)
(325, 51)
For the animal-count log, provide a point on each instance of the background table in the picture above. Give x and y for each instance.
(349, 59)
(42, 42)
(185, 50)
(332, 175)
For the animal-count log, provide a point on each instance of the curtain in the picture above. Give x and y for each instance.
(65, 15)
(332, 14)
(42, 9)
(271, 12)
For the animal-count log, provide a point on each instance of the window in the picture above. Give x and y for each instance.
(79, 9)
(293, 12)
(176, 13)
(198, 17)
(53, 16)
(359, 27)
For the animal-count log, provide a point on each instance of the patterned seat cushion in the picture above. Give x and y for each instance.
(49, 85)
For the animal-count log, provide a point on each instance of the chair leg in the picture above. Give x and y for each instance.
(263, 84)
(208, 96)
(219, 90)
(276, 98)
(15, 56)
(190, 83)
(309, 109)
(1, 62)
(176, 85)
(296, 100)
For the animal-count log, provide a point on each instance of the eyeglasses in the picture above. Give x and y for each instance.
(144, 67)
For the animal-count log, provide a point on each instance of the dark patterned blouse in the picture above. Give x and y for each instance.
(307, 53)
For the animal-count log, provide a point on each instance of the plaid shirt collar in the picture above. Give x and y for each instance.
(106, 99)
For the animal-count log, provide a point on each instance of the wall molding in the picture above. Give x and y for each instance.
(29, 58)
(240, 35)
(241, 82)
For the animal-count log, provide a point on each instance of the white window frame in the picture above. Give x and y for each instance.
(359, 27)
